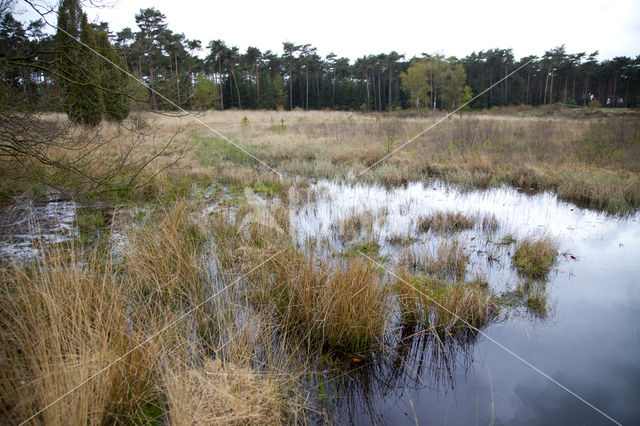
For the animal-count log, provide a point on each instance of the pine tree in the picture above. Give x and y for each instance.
(113, 80)
(78, 67)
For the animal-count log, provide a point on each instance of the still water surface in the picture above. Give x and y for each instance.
(588, 340)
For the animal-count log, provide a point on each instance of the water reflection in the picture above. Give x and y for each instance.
(590, 312)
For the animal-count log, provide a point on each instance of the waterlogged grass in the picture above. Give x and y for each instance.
(444, 307)
(534, 255)
(446, 222)
(341, 305)
(74, 312)
(224, 394)
(594, 163)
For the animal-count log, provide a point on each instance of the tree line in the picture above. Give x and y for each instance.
(53, 72)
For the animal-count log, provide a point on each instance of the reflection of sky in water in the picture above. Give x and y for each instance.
(26, 226)
(590, 342)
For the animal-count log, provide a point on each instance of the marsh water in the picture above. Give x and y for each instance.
(587, 337)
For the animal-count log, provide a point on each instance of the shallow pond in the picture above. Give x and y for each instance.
(27, 225)
(587, 339)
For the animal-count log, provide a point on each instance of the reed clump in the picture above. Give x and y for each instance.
(356, 224)
(62, 322)
(446, 222)
(442, 307)
(219, 393)
(339, 304)
(535, 255)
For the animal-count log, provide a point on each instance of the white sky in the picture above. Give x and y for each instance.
(355, 28)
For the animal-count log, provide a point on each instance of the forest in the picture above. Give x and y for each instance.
(196, 75)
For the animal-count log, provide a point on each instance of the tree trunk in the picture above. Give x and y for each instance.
(528, 75)
(151, 84)
(317, 90)
(506, 84)
(551, 89)
(366, 79)
(375, 92)
(586, 91)
(615, 85)
(177, 77)
(546, 85)
(220, 84)
(390, 75)
(333, 98)
(257, 83)
(380, 88)
(290, 83)
(233, 74)
(306, 70)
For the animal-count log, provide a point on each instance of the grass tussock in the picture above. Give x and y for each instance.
(446, 222)
(449, 262)
(62, 323)
(220, 393)
(355, 224)
(535, 255)
(490, 223)
(341, 305)
(74, 312)
(442, 307)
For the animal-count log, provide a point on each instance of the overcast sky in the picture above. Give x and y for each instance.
(356, 28)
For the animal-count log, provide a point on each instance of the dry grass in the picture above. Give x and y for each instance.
(340, 305)
(355, 224)
(535, 255)
(73, 313)
(472, 150)
(61, 324)
(490, 224)
(439, 306)
(224, 394)
(446, 222)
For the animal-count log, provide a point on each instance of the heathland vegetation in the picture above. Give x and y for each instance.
(170, 302)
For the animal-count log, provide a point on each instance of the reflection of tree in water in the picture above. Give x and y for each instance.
(414, 359)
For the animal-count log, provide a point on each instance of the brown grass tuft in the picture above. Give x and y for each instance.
(224, 394)
(535, 255)
(446, 222)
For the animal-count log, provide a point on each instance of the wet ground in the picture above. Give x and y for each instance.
(587, 338)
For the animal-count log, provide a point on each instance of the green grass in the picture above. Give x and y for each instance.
(534, 256)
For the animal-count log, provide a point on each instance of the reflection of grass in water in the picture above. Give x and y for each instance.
(535, 296)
